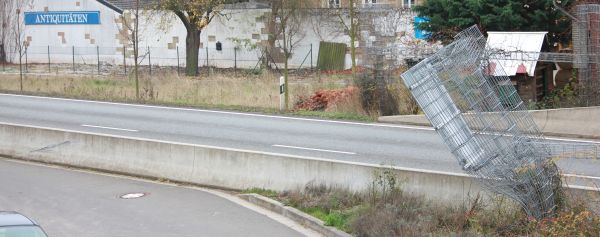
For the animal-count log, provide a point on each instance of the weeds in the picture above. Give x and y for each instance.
(386, 210)
(224, 90)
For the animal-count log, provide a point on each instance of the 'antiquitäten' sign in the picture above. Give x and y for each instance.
(62, 18)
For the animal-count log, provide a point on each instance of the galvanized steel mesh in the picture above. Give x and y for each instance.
(484, 122)
(586, 46)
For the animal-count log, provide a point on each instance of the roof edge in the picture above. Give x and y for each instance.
(111, 6)
(517, 32)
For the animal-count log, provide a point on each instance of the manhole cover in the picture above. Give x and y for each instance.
(132, 195)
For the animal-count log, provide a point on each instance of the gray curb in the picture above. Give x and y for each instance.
(294, 214)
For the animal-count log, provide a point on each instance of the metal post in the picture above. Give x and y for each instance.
(177, 60)
(149, 61)
(235, 58)
(311, 57)
(49, 69)
(26, 60)
(73, 58)
(98, 57)
(207, 69)
(124, 62)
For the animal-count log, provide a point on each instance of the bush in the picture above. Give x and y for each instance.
(375, 96)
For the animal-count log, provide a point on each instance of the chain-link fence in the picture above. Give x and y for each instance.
(119, 60)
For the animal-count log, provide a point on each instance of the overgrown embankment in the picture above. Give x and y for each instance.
(387, 210)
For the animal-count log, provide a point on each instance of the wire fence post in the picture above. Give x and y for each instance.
(235, 59)
(4, 62)
(73, 58)
(26, 60)
(49, 69)
(311, 57)
(98, 57)
(124, 62)
(177, 60)
(20, 67)
(149, 61)
(207, 69)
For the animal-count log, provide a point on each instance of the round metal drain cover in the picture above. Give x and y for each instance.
(132, 195)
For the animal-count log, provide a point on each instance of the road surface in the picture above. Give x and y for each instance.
(83, 204)
(374, 143)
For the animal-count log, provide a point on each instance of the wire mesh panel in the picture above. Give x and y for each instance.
(586, 45)
(483, 121)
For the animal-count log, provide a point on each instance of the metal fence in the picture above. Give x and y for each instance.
(111, 60)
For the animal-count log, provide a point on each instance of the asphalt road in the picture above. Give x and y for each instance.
(82, 204)
(405, 146)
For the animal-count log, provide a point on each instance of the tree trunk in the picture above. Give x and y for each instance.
(286, 52)
(192, 49)
(2, 54)
(352, 39)
(136, 49)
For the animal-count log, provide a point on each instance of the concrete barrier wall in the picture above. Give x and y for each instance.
(212, 166)
(220, 167)
(581, 122)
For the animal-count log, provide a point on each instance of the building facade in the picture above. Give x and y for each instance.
(89, 31)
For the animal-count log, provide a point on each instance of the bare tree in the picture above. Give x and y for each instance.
(10, 24)
(337, 20)
(130, 31)
(6, 10)
(11, 32)
(289, 16)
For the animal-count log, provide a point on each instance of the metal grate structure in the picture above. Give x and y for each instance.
(586, 45)
(484, 122)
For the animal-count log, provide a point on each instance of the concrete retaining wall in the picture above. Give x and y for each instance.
(214, 166)
(581, 122)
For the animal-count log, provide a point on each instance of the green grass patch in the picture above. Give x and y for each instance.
(333, 115)
(264, 192)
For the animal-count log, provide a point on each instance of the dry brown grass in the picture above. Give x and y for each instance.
(220, 89)
(387, 211)
(214, 88)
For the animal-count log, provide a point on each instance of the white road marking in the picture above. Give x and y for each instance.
(228, 112)
(110, 128)
(571, 140)
(315, 149)
(581, 176)
(275, 154)
(272, 116)
(545, 137)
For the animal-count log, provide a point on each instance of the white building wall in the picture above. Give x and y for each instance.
(62, 38)
(165, 38)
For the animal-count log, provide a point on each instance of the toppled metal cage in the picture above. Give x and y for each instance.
(484, 122)
(586, 45)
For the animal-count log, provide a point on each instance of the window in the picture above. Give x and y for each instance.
(370, 1)
(333, 3)
(408, 3)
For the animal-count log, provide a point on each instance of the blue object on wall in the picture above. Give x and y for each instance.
(63, 18)
(421, 34)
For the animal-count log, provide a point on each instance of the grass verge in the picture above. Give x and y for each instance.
(386, 210)
(246, 93)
